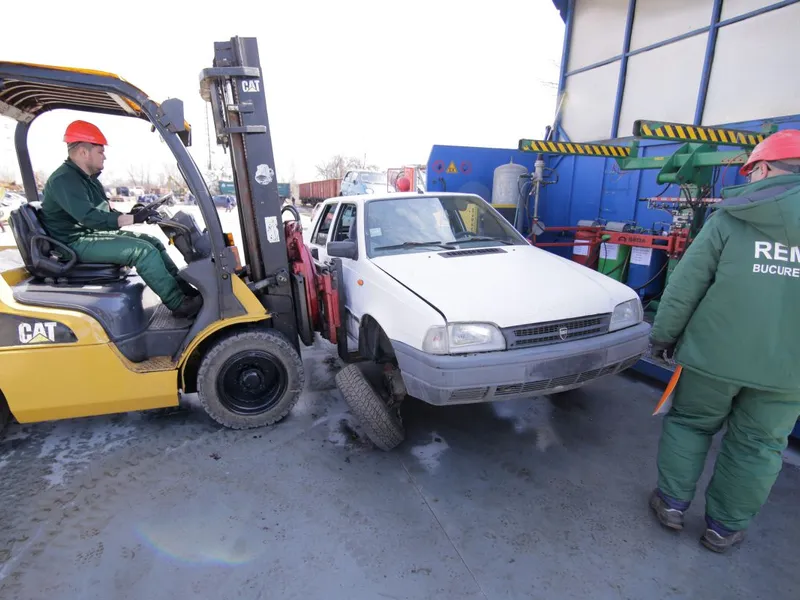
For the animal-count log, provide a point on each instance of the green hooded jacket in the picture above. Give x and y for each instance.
(733, 302)
(75, 204)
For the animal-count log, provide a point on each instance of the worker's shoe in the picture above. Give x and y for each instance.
(719, 539)
(668, 512)
(189, 308)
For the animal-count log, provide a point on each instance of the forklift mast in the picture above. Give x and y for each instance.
(235, 88)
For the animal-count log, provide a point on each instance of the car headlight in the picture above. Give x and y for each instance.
(462, 338)
(626, 314)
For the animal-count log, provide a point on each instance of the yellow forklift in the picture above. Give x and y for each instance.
(89, 339)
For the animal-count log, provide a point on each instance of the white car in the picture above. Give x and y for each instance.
(364, 182)
(458, 307)
(10, 201)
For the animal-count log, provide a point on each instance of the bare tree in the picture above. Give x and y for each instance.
(171, 178)
(140, 175)
(337, 166)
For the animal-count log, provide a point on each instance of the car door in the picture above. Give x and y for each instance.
(346, 228)
(321, 231)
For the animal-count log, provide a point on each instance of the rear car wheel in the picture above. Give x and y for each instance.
(250, 379)
(380, 422)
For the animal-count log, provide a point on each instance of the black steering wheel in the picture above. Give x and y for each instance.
(161, 201)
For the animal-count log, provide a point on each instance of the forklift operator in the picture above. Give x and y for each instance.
(729, 314)
(75, 211)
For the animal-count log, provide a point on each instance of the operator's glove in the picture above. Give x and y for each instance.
(142, 214)
(662, 350)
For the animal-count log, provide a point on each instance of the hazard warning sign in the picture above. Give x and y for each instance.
(452, 168)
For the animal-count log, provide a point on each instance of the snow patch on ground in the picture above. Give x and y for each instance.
(64, 448)
(429, 455)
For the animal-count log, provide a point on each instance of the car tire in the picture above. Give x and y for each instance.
(381, 424)
(250, 379)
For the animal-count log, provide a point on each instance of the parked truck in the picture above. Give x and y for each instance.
(317, 191)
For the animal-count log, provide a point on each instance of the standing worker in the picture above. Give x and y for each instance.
(75, 211)
(730, 316)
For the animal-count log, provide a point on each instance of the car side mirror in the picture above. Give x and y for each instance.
(346, 249)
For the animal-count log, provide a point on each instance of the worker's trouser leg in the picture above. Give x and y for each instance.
(162, 250)
(133, 251)
(749, 461)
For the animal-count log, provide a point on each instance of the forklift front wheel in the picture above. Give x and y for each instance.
(250, 379)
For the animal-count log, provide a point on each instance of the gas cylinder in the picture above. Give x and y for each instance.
(647, 272)
(506, 184)
(613, 259)
(583, 252)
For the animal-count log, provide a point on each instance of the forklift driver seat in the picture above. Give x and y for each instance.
(48, 259)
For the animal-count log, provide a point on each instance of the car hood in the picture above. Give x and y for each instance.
(520, 285)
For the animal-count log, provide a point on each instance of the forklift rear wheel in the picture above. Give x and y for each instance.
(250, 379)
(5, 412)
(380, 422)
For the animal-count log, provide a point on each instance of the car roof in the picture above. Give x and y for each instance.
(362, 198)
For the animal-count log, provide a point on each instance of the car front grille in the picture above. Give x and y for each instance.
(554, 332)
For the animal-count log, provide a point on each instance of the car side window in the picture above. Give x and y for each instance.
(346, 218)
(326, 218)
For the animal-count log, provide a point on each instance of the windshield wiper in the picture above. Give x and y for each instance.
(417, 244)
(483, 238)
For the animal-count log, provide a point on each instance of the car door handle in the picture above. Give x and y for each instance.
(315, 253)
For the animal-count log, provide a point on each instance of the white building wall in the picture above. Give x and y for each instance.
(754, 74)
(657, 81)
(590, 43)
(751, 78)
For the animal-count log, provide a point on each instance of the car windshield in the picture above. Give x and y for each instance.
(431, 223)
(373, 177)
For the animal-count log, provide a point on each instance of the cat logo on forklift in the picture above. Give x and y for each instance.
(21, 331)
(37, 333)
(250, 85)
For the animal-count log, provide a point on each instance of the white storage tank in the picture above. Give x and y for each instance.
(506, 184)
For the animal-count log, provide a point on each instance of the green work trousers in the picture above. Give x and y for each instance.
(139, 250)
(758, 427)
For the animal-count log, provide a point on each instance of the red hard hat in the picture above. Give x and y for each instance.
(403, 184)
(780, 145)
(81, 131)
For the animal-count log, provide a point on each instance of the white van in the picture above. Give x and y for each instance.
(458, 307)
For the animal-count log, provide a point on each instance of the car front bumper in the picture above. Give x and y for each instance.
(526, 372)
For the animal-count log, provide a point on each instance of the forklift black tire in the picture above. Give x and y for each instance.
(250, 379)
(5, 413)
(380, 423)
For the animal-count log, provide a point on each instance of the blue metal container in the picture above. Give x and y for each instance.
(647, 271)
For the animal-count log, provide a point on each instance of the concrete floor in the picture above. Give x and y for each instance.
(533, 499)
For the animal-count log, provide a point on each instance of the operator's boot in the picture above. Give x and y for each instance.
(719, 539)
(189, 308)
(668, 515)
(187, 289)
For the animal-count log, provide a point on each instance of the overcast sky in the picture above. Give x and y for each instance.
(355, 77)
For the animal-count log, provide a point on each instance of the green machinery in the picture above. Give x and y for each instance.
(693, 166)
